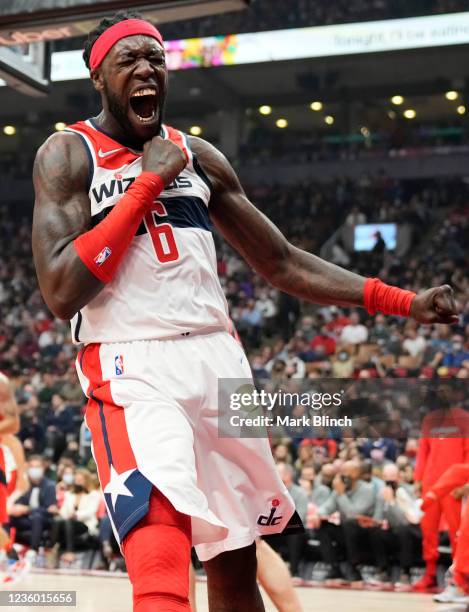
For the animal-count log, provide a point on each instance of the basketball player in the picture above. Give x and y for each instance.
(454, 483)
(444, 441)
(9, 424)
(123, 247)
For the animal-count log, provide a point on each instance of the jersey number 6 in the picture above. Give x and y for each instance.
(161, 234)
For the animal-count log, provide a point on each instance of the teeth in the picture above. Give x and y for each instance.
(146, 119)
(148, 91)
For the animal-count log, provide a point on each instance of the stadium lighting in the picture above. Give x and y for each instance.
(195, 130)
(281, 123)
(397, 100)
(451, 95)
(316, 106)
(265, 109)
(461, 109)
(59, 126)
(410, 113)
(329, 119)
(9, 130)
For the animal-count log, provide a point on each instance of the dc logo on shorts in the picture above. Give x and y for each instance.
(101, 257)
(119, 363)
(271, 519)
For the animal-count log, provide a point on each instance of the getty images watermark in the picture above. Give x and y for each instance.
(246, 411)
(267, 401)
(398, 408)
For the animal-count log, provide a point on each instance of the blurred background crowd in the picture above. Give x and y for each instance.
(317, 208)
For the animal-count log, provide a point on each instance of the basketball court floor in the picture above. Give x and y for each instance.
(103, 594)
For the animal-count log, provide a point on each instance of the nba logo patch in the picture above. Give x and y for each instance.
(119, 363)
(101, 257)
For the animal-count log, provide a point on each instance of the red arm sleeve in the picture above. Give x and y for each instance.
(101, 249)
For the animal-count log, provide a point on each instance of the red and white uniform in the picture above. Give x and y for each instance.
(157, 341)
(445, 441)
(167, 283)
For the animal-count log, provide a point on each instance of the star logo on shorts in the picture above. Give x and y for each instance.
(116, 485)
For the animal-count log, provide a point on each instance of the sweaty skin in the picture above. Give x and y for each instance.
(62, 208)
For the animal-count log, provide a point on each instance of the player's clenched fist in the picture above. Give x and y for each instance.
(436, 305)
(164, 158)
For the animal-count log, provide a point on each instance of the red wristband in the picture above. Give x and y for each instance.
(101, 249)
(377, 296)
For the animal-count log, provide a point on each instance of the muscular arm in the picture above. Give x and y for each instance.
(264, 247)
(285, 266)
(61, 213)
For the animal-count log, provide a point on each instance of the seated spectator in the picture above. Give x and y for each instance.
(295, 366)
(379, 449)
(317, 492)
(32, 512)
(281, 453)
(249, 323)
(351, 499)
(65, 482)
(368, 476)
(354, 333)
(325, 340)
(337, 321)
(77, 516)
(324, 442)
(343, 366)
(414, 344)
(457, 354)
(397, 531)
(305, 455)
(59, 423)
(327, 474)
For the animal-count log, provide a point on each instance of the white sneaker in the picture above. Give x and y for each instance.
(30, 558)
(451, 594)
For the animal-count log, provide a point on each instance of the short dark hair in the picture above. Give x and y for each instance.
(102, 26)
(36, 458)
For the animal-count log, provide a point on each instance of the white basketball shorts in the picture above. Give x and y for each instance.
(153, 417)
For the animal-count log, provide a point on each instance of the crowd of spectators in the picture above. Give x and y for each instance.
(390, 139)
(63, 509)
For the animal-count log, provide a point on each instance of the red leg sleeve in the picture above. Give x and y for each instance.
(157, 555)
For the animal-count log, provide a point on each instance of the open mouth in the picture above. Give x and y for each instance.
(144, 104)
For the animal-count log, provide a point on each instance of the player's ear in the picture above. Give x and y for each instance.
(97, 79)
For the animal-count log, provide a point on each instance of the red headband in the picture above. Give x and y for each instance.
(129, 27)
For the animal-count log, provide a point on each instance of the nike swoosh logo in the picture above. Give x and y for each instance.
(101, 153)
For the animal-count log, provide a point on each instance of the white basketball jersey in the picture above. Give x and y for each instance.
(167, 283)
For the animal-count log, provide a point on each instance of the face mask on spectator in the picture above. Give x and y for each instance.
(343, 356)
(79, 488)
(392, 484)
(35, 473)
(68, 479)
(457, 346)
